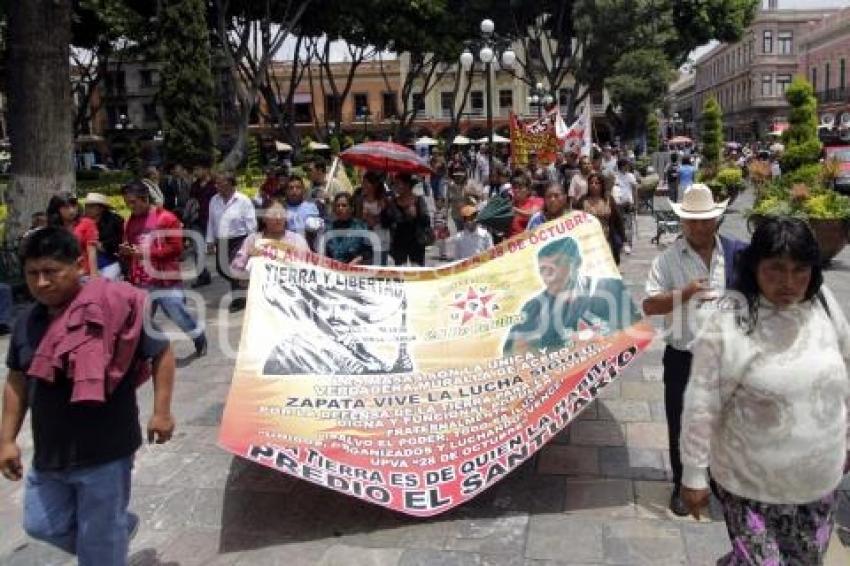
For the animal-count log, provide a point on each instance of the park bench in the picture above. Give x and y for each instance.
(666, 221)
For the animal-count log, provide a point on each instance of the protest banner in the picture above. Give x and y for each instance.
(537, 136)
(418, 389)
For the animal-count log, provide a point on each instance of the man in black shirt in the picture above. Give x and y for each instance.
(78, 489)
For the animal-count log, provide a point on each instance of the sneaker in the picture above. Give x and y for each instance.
(200, 346)
(677, 504)
(627, 249)
(203, 280)
(237, 305)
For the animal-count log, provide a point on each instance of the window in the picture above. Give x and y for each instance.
(597, 98)
(114, 114)
(361, 104)
(150, 113)
(388, 105)
(782, 84)
(418, 102)
(767, 42)
(842, 76)
(785, 39)
(815, 78)
(826, 77)
(146, 78)
(331, 105)
(506, 99)
(116, 83)
(303, 112)
(447, 104)
(477, 101)
(767, 85)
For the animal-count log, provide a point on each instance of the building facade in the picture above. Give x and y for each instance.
(682, 105)
(371, 104)
(443, 110)
(749, 78)
(824, 54)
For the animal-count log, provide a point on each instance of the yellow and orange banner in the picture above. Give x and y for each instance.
(538, 136)
(419, 389)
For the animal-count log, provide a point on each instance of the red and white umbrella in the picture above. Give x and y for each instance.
(385, 156)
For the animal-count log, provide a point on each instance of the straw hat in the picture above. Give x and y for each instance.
(97, 198)
(698, 204)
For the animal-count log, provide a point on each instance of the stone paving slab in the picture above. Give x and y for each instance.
(597, 494)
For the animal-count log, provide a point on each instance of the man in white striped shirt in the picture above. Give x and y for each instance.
(231, 219)
(690, 274)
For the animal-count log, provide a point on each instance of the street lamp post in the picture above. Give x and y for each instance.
(488, 47)
(540, 98)
(365, 114)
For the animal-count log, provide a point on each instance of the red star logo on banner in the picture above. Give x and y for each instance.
(475, 302)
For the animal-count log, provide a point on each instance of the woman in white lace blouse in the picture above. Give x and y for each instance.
(767, 403)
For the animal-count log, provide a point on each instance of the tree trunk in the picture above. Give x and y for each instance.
(40, 108)
(237, 153)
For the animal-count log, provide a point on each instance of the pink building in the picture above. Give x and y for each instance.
(824, 54)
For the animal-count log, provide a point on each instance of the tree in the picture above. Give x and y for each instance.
(187, 90)
(250, 35)
(432, 35)
(652, 133)
(101, 29)
(712, 133)
(802, 145)
(638, 85)
(39, 115)
(584, 39)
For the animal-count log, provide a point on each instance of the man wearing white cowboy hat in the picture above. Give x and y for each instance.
(110, 228)
(696, 269)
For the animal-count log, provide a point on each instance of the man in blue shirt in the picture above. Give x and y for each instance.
(687, 174)
(301, 216)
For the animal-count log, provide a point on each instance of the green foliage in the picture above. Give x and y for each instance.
(810, 175)
(730, 178)
(827, 205)
(801, 138)
(820, 203)
(334, 144)
(803, 193)
(653, 133)
(255, 159)
(187, 87)
(712, 132)
(798, 155)
(639, 83)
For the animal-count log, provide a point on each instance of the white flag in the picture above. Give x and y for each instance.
(577, 137)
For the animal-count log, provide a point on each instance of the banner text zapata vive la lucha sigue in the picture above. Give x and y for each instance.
(419, 389)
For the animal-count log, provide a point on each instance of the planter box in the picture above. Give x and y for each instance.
(831, 235)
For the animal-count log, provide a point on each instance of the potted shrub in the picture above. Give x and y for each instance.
(826, 211)
(729, 182)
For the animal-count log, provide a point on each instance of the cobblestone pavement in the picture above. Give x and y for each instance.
(596, 495)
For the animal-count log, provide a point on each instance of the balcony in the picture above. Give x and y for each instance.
(833, 95)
